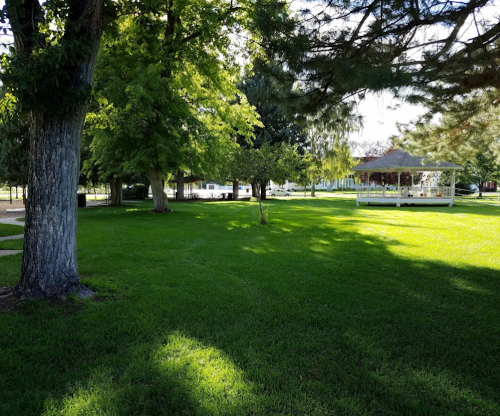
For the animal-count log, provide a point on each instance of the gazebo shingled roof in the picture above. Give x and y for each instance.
(402, 161)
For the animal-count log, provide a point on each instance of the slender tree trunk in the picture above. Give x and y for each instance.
(49, 267)
(263, 195)
(180, 184)
(24, 194)
(236, 186)
(313, 190)
(263, 218)
(159, 197)
(10, 193)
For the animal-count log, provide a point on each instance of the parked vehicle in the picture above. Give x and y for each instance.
(280, 192)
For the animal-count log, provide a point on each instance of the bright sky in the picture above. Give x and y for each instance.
(381, 112)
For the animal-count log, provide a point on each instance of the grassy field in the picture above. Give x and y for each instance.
(16, 244)
(331, 309)
(7, 229)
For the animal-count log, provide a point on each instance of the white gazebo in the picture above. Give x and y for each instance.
(399, 162)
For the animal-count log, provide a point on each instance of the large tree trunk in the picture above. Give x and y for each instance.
(236, 186)
(254, 190)
(159, 198)
(329, 186)
(180, 184)
(49, 268)
(116, 188)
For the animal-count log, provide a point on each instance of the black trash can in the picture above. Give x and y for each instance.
(82, 200)
(230, 196)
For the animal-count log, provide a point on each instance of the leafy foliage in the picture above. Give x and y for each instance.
(170, 102)
(338, 50)
(468, 126)
(14, 142)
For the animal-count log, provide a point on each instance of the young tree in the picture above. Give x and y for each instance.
(269, 162)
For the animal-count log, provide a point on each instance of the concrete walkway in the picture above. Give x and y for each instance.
(11, 221)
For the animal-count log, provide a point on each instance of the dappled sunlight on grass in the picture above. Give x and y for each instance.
(231, 225)
(214, 383)
(182, 376)
(98, 396)
(463, 284)
(330, 309)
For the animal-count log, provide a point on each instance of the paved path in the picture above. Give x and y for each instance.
(10, 221)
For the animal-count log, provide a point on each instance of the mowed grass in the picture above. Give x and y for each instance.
(16, 244)
(8, 230)
(331, 309)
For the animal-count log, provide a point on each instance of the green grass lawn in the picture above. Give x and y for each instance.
(16, 244)
(331, 309)
(7, 230)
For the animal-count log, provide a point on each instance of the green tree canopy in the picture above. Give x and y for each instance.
(171, 101)
(339, 50)
(467, 126)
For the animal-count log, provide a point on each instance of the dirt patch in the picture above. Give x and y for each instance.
(5, 205)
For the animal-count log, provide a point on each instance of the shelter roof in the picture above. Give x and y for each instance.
(402, 161)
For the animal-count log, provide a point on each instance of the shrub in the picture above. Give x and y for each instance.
(136, 192)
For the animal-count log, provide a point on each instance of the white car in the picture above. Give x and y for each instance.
(280, 192)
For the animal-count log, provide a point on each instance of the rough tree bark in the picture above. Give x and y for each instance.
(116, 188)
(49, 266)
(180, 184)
(160, 200)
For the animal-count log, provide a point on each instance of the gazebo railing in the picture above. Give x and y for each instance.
(405, 192)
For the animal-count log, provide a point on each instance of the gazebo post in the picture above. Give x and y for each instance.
(357, 189)
(399, 187)
(452, 189)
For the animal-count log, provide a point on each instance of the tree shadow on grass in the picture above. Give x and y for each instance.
(214, 318)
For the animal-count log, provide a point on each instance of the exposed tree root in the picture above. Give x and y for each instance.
(11, 296)
(8, 298)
